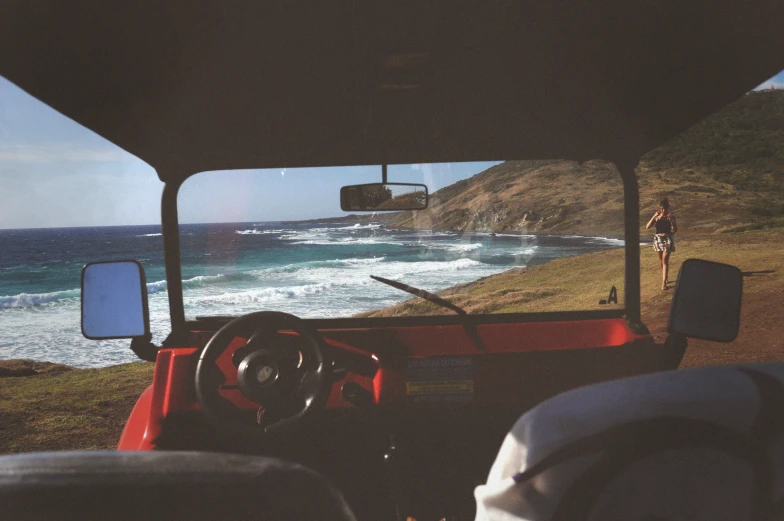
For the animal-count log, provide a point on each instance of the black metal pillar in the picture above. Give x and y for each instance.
(170, 230)
(631, 235)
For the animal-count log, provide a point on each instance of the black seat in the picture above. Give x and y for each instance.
(163, 485)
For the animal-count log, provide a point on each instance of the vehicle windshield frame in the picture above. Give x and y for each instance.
(630, 305)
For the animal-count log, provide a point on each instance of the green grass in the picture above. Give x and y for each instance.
(775, 225)
(78, 409)
(742, 146)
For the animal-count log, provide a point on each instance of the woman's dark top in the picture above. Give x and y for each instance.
(663, 225)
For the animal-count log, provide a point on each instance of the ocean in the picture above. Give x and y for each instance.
(310, 269)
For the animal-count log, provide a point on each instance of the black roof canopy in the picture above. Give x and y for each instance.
(195, 85)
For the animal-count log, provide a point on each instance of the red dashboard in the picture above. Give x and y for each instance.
(397, 367)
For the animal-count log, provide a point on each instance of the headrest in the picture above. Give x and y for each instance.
(163, 485)
(705, 443)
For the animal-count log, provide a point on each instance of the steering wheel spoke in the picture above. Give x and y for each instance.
(262, 337)
(286, 374)
(309, 388)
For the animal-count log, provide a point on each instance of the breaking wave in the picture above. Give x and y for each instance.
(30, 300)
(371, 226)
(156, 287)
(266, 294)
(339, 279)
(607, 240)
(258, 232)
(27, 300)
(460, 248)
(342, 272)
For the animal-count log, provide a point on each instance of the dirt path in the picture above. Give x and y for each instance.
(761, 337)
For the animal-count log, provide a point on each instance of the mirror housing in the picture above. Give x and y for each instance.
(707, 301)
(114, 301)
(383, 197)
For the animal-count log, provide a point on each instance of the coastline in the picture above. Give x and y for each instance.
(512, 233)
(62, 411)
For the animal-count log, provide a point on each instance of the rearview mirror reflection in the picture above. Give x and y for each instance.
(381, 197)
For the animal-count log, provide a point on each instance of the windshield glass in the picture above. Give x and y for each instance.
(497, 237)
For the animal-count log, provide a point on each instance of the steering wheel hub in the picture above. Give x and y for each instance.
(266, 374)
(262, 376)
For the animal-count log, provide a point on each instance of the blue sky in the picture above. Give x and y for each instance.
(776, 81)
(54, 172)
(298, 193)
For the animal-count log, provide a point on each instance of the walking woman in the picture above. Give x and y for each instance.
(663, 241)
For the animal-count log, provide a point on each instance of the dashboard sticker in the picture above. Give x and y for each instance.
(440, 380)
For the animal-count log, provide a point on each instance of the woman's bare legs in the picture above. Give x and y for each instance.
(661, 261)
(665, 269)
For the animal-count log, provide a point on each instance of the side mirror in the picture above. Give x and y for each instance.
(707, 300)
(381, 197)
(114, 301)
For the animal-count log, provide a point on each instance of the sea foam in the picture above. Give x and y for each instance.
(26, 300)
(258, 232)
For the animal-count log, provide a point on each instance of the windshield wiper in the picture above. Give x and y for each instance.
(469, 326)
(435, 299)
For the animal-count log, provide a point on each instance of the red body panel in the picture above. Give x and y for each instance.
(172, 384)
(515, 337)
(495, 370)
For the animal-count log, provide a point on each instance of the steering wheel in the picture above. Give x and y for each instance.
(286, 376)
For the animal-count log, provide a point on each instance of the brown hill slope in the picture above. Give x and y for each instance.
(551, 196)
(568, 197)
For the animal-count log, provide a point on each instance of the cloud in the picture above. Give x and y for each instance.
(61, 152)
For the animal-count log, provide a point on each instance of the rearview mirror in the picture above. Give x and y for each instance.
(707, 300)
(114, 300)
(381, 197)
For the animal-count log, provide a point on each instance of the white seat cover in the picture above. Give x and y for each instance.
(692, 444)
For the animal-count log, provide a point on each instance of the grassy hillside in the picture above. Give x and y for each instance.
(724, 174)
(740, 146)
(727, 172)
(62, 409)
